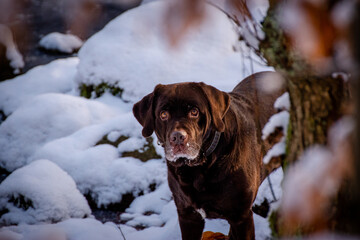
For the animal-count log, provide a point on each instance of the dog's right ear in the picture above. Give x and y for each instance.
(143, 112)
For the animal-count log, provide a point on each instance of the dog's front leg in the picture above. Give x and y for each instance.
(242, 230)
(191, 224)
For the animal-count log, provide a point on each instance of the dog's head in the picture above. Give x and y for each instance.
(181, 115)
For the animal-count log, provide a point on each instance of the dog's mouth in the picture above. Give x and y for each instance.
(185, 153)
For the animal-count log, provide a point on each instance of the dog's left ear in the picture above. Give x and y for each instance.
(219, 102)
(143, 112)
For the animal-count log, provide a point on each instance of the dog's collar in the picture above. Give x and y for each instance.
(214, 144)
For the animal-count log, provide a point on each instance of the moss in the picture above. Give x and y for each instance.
(145, 153)
(88, 91)
(273, 224)
(277, 50)
(105, 140)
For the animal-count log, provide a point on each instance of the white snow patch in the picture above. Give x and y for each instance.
(144, 58)
(264, 190)
(277, 150)
(283, 102)
(113, 136)
(280, 119)
(131, 144)
(99, 170)
(54, 201)
(66, 43)
(45, 118)
(55, 77)
(73, 229)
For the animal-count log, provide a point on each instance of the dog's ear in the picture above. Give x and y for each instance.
(143, 112)
(219, 102)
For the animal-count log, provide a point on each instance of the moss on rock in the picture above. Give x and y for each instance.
(145, 153)
(105, 140)
(89, 91)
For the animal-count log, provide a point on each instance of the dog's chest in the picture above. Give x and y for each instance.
(199, 189)
(193, 179)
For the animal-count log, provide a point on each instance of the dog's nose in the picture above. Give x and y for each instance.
(178, 137)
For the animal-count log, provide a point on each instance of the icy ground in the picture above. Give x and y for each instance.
(60, 146)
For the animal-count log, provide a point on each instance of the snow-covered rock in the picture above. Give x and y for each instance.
(42, 119)
(55, 77)
(41, 192)
(132, 52)
(71, 229)
(66, 43)
(99, 170)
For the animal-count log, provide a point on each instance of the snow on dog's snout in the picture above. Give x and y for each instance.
(180, 145)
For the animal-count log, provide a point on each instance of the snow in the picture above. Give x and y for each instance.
(55, 77)
(143, 54)
(277, 150)
(264, 190)
(42, 119)
(54, 201)
(66, 43)
(283, 102)
(48, 126)
(12, 52)
(280, 119)
(71, 229)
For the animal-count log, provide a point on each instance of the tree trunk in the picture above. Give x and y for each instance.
(315, 105)
(316, 101)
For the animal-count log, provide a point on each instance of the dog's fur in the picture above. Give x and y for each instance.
(223, 184)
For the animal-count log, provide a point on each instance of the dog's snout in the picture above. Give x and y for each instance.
(178, 137)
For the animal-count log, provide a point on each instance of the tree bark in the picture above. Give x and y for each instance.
(315, 105)
(316, 100)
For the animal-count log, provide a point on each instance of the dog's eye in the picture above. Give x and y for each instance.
(194, 113)
(164, 115)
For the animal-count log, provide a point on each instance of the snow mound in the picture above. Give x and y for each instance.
(55, 77)
(29, 200)
(99, 170)
(43, 119)
(143, 57)
(71, 229)
(66, 43)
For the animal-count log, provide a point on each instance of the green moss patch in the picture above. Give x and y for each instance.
(145, 153)
(89, 91)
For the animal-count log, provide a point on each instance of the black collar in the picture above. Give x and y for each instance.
(213, 144)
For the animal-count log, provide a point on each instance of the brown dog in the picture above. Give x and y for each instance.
(212, 147)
